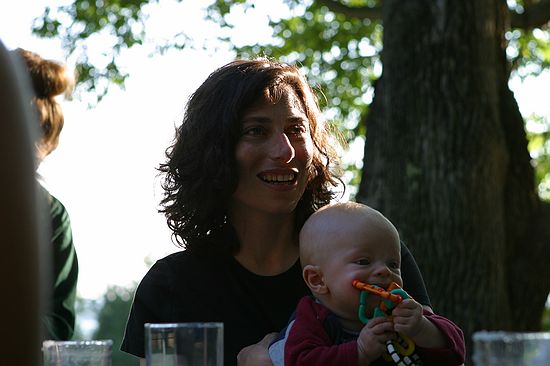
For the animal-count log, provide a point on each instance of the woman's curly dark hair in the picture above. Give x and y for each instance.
(200, 174)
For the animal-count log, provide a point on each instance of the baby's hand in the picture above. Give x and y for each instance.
(372, 339)
(408, 318)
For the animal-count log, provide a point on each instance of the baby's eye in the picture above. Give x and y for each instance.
(363, 262)
(394, 265)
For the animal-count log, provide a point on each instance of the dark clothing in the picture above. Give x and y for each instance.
(207, 285)
(60, 317)
(315, 337)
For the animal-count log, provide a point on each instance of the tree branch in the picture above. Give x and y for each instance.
(534, 16)
(362, 12)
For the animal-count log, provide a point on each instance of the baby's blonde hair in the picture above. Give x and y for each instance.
(318, 227)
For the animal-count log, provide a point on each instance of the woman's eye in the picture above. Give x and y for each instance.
(254, 131)
(298, 129)
(363, 262)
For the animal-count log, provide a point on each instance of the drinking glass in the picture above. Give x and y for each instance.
(184, 344)
(499, 348)
(77, 353)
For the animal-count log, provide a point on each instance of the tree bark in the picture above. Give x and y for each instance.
(446, 160)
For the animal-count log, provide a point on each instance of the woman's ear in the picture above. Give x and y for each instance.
(313, 276)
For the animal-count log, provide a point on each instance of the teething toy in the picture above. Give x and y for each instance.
(400, 351)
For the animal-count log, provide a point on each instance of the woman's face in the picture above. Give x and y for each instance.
(274, 153)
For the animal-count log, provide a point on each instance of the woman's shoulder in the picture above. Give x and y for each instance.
(166, 277)
(187, 260)
(173, 264)
(169, 283)
(174, 259)
(181, 267)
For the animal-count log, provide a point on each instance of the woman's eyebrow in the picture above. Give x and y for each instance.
(265, 119)
(256, 119)
(298, 119)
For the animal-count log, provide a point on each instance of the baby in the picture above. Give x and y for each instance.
(341, 243)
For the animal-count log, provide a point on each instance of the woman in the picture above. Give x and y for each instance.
(250, 162)
(49, 79)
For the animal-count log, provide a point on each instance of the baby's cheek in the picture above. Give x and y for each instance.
(397, 279)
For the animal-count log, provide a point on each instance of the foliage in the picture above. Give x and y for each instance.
(86, 314)
(338, 61)
(106, 319)
(539, 147)
(546, 320)
(340, 53)
(120, 23)
(112, 318)
(528, 49)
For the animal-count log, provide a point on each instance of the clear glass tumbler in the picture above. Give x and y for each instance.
(499, 348)
(77, 353)
(184, 344)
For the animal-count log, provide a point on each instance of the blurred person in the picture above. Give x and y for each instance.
(22, 233)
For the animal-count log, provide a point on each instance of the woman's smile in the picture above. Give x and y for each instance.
(287, 177)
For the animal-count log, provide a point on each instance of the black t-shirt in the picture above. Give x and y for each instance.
(195, 286)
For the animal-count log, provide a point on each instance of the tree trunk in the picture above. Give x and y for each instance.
(446, 160)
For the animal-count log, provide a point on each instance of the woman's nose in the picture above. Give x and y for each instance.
(282, 149)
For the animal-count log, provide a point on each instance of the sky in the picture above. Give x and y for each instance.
(104, 170)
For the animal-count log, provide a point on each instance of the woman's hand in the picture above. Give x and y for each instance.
(256, 354)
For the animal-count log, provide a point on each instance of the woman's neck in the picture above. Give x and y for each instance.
(268, 243)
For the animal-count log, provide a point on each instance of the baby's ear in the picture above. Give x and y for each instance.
(313, 276)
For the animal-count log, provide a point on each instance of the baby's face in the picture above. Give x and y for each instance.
(367, 253)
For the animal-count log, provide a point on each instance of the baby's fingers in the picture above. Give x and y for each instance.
(380, 327)
(408, 305)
